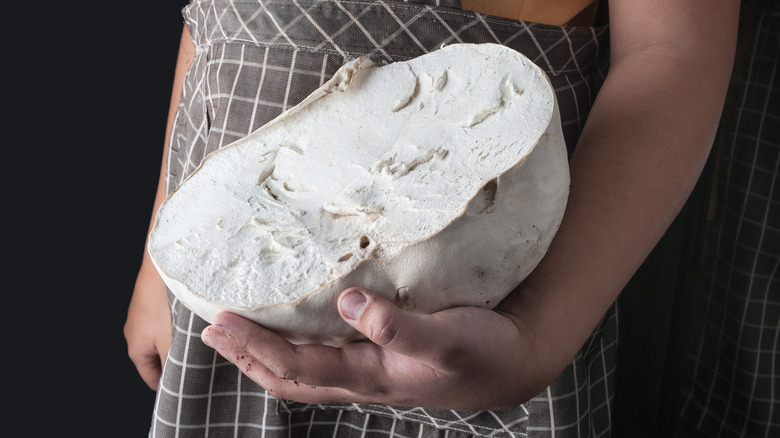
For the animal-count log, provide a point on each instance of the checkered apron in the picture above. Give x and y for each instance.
(731, 370)
(255, 59)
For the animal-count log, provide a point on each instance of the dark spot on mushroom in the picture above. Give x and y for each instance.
(270, 192)
(490, 193)
(364, 242)
(345, 257)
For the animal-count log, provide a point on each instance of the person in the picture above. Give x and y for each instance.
(542, 362)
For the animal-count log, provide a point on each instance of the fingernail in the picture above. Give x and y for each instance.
(213, 330)
(352, 304)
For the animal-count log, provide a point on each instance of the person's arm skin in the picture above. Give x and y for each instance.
(148, 325)
(643, 147)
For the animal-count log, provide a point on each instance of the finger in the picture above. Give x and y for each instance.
(150, 369)
(249, 345)
(420, 336)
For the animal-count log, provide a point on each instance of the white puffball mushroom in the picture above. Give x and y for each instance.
(436, 182)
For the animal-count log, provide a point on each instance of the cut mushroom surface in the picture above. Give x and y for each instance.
(438, 181)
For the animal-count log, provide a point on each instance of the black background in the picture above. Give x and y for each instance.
(87, 88)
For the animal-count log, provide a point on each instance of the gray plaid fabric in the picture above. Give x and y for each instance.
(255, 59)
(732, 371)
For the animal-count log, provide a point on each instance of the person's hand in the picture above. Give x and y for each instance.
(463, 358)
(148, 327)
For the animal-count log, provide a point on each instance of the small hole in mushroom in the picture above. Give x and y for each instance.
(345, 257)
(364, 242)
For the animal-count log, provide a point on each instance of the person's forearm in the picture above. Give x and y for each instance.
(639, 156)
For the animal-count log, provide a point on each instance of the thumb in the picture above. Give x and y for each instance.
(385, 324)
